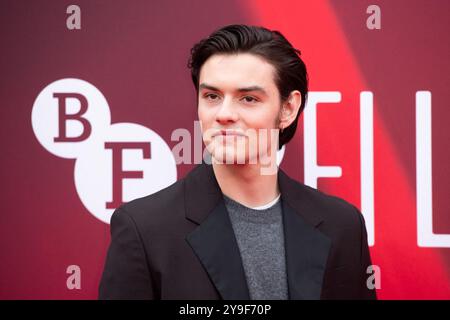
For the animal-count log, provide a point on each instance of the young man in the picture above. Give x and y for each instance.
(231, 230)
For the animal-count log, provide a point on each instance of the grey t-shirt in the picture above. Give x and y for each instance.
(260, 237)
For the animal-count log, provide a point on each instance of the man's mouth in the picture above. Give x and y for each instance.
(229, 133)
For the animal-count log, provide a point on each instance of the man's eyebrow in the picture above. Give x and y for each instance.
(207, 86)
(246, 89)
(253, 88)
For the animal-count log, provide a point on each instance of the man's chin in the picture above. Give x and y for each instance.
(231, 158)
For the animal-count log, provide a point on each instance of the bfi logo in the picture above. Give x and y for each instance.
(114, 163)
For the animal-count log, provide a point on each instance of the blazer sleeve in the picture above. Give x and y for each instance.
(126, 274)
(365, 292)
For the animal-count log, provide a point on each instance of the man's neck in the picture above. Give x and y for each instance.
(245, 183)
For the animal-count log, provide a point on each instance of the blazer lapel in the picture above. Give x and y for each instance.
(216, 247)
(306, 248)
(213, 241)
(306, 252)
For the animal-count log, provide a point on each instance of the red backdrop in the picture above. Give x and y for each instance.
(135, 54)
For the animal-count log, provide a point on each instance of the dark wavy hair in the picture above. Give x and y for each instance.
(272, 46)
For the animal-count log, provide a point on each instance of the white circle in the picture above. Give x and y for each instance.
(94, 169)
(45, 116)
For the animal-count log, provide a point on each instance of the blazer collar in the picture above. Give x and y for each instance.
(213, 241)
(203, 193)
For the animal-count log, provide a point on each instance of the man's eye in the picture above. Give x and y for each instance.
(250, 99)
(211, 96)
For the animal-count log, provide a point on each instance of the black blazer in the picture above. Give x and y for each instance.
(179, 244)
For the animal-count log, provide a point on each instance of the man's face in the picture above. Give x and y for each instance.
(237, 98)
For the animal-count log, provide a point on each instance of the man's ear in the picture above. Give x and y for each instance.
(290, 109)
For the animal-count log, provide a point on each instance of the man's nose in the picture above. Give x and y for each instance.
(226, 112)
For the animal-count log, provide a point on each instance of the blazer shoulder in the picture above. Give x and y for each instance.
(167, 206)
(332, 208)
(154, 206)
